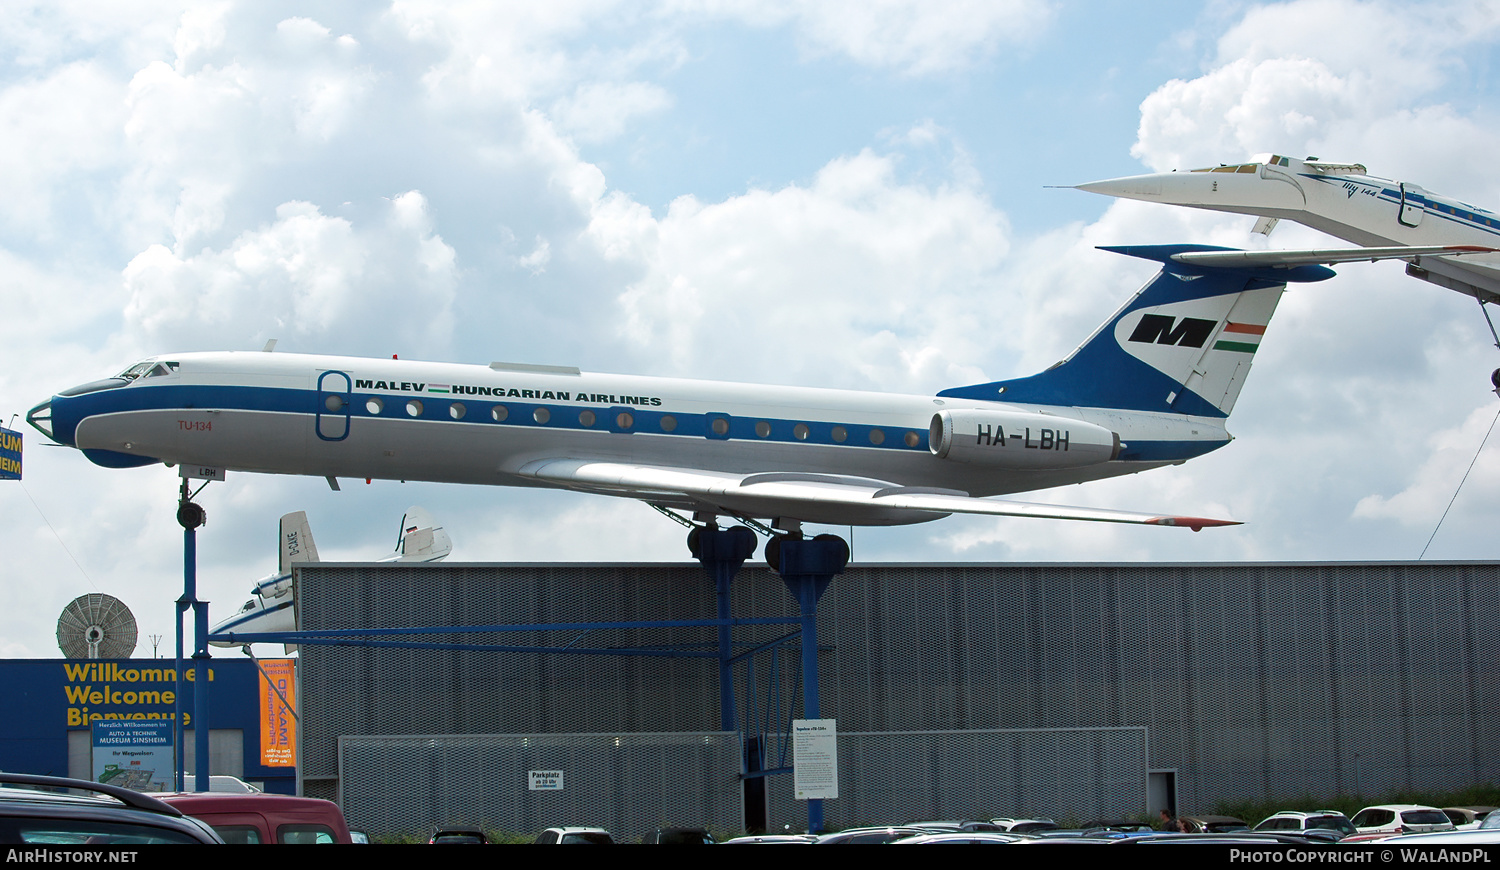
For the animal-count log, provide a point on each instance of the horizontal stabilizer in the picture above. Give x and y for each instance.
(1182, 345)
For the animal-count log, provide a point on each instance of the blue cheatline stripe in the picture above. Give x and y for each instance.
(522, 414)
(438, 410)
(1445, 211)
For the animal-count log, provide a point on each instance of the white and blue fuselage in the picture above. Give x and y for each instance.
(1152, 387)
(1342, 200)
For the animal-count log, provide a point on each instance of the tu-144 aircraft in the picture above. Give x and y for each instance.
(1344, 201)
(1153, 386)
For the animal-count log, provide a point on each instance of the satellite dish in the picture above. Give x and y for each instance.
(96, 626)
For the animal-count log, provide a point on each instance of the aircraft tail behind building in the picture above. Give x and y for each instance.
(1182, 345)
(421, 538)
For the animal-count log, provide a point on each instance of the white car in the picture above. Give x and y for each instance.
(1391, 819)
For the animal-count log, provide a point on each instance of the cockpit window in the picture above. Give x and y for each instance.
(249, 606)
(149, 369)
(1269, 160)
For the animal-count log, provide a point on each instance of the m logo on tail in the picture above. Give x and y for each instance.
(1161, 329)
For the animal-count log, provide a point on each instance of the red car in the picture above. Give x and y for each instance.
(265, 818)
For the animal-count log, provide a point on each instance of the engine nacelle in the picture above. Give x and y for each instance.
(273, 586)
(1019, 439)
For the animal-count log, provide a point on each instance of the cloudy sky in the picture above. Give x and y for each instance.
(847, 194)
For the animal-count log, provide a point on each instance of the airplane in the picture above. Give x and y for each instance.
(1152, 387)
(1344, 201)
(272, 607)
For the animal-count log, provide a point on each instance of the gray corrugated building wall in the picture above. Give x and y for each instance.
(1275, 680)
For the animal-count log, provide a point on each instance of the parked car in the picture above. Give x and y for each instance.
(678, 837)
(229, 784)
(1390, 819)
(54, 811)
(1295, 822)
(1213, 824)
(960, 838)
(866, 836)
(1477, 836)
(262, 818)
(458, 835)
(1026, 826)
(1467, 818)
(574, 835)
(1122, 826)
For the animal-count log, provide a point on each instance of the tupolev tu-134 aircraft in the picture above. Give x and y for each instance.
(1153, 386)
(1344, 201)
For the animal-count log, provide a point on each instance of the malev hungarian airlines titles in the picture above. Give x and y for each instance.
(1153, 386)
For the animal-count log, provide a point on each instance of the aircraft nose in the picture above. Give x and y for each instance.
(58, 417)
(1132, 187)
(40, 419)
(1230, 190)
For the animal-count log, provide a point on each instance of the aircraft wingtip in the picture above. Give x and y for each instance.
(1197, 524)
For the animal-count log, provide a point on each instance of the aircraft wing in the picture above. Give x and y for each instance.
(819, 498)
(1324, 256)
(296, 542)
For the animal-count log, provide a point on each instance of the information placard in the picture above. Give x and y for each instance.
(136, 754)
(815, 768)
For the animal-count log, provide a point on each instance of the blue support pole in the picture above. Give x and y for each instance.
(201, 658)
(722, 552)
(190, 516)
(189, 558)
(807, 567)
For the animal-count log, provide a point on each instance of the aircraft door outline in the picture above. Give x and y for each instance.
(331, 418)
(1413, 204)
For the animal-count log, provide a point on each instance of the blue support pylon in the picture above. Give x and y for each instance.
(722, 552)
(190, 516)
(807, 567)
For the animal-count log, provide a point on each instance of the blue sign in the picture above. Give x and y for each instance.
(134, 754)
(10, 454)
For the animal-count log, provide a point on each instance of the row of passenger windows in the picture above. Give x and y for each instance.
(375, 405)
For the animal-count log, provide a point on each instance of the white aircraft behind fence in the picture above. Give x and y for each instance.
(272, 608)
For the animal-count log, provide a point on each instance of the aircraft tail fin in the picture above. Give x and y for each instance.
(296, 544)
(421, 539)
(1182, 345)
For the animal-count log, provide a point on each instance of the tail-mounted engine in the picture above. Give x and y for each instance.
(1019, 439)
